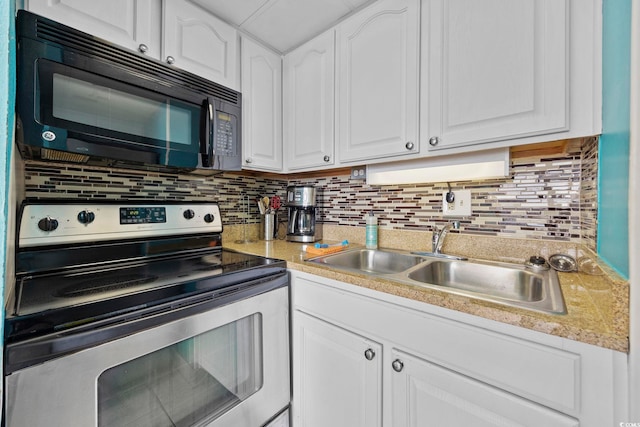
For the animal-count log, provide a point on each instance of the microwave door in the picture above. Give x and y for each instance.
(108, 117)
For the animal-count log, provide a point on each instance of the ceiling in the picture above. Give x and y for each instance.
(282, 24)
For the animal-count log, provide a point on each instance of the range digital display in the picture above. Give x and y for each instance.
(149, 215)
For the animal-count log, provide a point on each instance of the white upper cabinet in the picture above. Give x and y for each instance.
(501, 70)
(128, 23)
(309, 104)
(174, 31)
(378, 82)
(196, 41)
(261, 79)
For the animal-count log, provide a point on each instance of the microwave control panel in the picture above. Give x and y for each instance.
(225, 134)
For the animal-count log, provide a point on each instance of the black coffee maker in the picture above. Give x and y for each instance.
(301, 210)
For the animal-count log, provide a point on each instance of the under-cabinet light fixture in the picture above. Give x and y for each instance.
(484, 164)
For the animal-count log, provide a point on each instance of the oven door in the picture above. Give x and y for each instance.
(228, 366)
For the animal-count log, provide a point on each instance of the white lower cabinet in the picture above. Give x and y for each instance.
(367, 358)
(426, 394)
(339, 375)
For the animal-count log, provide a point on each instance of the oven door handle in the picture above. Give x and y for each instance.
(30, 352)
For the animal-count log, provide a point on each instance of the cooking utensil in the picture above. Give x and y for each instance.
(265, 202)
(276, 203)
(261, 207)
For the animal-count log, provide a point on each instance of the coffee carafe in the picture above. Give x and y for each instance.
(301, 211)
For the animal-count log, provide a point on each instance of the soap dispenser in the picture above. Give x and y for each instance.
(371, 238)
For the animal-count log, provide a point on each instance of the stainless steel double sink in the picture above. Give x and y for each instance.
(508, 284)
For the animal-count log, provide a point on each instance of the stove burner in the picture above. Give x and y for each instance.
(105, 284)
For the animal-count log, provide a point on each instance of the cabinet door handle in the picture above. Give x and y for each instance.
(249, 160)
(143, 48)
(433, 141)
(369, 354)
(409, 145)
(327, 159)
(397, 365)
(170, 59)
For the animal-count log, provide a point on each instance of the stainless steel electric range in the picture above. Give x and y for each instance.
(134, 314)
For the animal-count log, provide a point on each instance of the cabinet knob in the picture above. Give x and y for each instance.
(397, 365)
(248, 160)
(143, 48)
(170, 59)
(369, 354)
(409, 145)
(433, 141)
(327, 159)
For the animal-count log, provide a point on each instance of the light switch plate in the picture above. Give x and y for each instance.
(461, 205)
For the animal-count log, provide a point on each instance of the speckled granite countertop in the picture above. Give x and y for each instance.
(597, 305)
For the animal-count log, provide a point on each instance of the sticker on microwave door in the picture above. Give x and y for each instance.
(47, 135)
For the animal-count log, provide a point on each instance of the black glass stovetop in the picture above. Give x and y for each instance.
(48, 302)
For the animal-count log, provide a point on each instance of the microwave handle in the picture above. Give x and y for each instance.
(205, 133)
(213, 132)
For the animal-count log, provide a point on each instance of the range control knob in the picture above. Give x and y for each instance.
(188, 214)
(208, 218)
(86, 217)
(48, 224)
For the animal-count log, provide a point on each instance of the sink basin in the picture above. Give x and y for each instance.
(371, 261)
(507, 284)
(492, 280)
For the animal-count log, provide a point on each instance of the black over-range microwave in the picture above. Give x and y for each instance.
(81, 99)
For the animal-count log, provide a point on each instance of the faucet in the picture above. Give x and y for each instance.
(438, 240)
(438, 236)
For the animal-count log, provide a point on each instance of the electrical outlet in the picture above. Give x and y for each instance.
(359, 172)
(461, 205)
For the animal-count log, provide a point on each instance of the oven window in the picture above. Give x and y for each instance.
(188, 382)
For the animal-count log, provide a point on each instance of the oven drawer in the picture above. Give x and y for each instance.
(225, 367)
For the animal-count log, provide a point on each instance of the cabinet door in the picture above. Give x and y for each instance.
(426, 394)
(262, 107)
(335, 383)
(309, 104)
(378, 81)
(493, 70)
(127, 23)
(197, 41)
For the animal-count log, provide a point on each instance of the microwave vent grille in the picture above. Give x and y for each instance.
(158, 71)
(62, 156)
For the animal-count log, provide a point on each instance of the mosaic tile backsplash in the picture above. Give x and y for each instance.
(552, 198)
